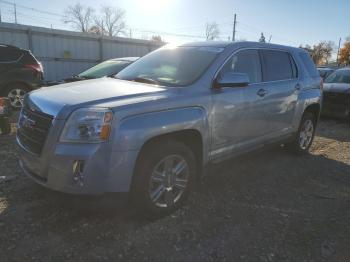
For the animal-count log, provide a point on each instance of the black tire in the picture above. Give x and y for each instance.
(151, 157)
(296, 145)
(13, 92)
(5, 126)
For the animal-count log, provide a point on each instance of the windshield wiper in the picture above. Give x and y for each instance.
(145, 80)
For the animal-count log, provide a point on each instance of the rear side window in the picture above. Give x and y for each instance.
(277, 65)
(245, 61)
(28, 58)
(9, 54)
(309, 64)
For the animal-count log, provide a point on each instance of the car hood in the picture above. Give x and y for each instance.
(51, 100)
(336, 87)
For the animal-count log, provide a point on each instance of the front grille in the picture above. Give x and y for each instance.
(33, 128)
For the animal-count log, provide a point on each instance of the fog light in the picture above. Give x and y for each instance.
(78, 169)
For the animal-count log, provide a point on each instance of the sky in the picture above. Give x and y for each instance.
(290, 22)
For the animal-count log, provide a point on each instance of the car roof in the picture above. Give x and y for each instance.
(239, 44)
(131, 59)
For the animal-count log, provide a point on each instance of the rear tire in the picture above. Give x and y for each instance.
(164, 177)
(15, 93)
(305, 135)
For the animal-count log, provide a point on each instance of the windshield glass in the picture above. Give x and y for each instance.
(106, 68)
(340, 76)
(171, 66)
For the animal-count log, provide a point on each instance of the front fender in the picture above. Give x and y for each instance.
(134, 131)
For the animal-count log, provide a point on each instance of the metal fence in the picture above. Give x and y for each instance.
(65, 53)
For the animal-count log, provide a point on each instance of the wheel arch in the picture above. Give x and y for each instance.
(5, 86)
(192, 138)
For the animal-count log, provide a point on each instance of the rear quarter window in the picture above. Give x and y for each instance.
(277, 65)
(8, 55)
(309, 64)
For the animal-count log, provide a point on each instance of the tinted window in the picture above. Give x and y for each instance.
(309, 64)
(9, 54)
(277, 65)
(339, 76)
(246, 61)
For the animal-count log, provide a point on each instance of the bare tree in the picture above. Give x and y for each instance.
(262, 38)
(212, 31)
(97, 30)
(156, 38)
(320, 53)
(79, 16)
(111, 21)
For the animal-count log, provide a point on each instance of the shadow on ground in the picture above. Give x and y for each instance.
(271, 206)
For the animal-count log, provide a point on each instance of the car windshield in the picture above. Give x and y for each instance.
(168, 66)
(107, 68)
(340, 76)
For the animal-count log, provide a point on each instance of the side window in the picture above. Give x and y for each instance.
(9, 54)
(277, 65)
(245, 61)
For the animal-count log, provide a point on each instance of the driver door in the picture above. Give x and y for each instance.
(238, 112)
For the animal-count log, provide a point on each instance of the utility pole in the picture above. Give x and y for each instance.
(15, 9)
(234, 29)
(338, 50)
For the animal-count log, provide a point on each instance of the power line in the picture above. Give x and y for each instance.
(32, 9)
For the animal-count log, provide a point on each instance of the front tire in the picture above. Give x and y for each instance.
(164, 177)
(305, 135)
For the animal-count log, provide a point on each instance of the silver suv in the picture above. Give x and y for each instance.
(153, 129)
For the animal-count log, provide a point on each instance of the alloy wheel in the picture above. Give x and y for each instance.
(306, 134)
(169, 180)
(16, 96)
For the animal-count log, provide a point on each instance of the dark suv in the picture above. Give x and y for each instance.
(20, 72)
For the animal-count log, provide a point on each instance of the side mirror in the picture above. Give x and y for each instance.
(231, 79)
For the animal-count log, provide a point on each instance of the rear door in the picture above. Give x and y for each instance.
(281, 88)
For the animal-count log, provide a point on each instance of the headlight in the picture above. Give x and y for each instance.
(88, 125)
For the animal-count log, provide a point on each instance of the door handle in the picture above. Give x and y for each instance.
(262, 92)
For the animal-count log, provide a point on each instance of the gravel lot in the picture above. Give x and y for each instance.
(271, 206)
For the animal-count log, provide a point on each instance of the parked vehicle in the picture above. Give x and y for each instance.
(153, 131)
(5, 110)
(107, 68)
(336, 101)
(325, 71)
(20, 73)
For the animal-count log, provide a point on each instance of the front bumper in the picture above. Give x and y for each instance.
(104, 170)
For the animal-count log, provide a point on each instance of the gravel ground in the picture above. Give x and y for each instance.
(271, 206)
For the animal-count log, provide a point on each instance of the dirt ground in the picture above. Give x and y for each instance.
(271, 206)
